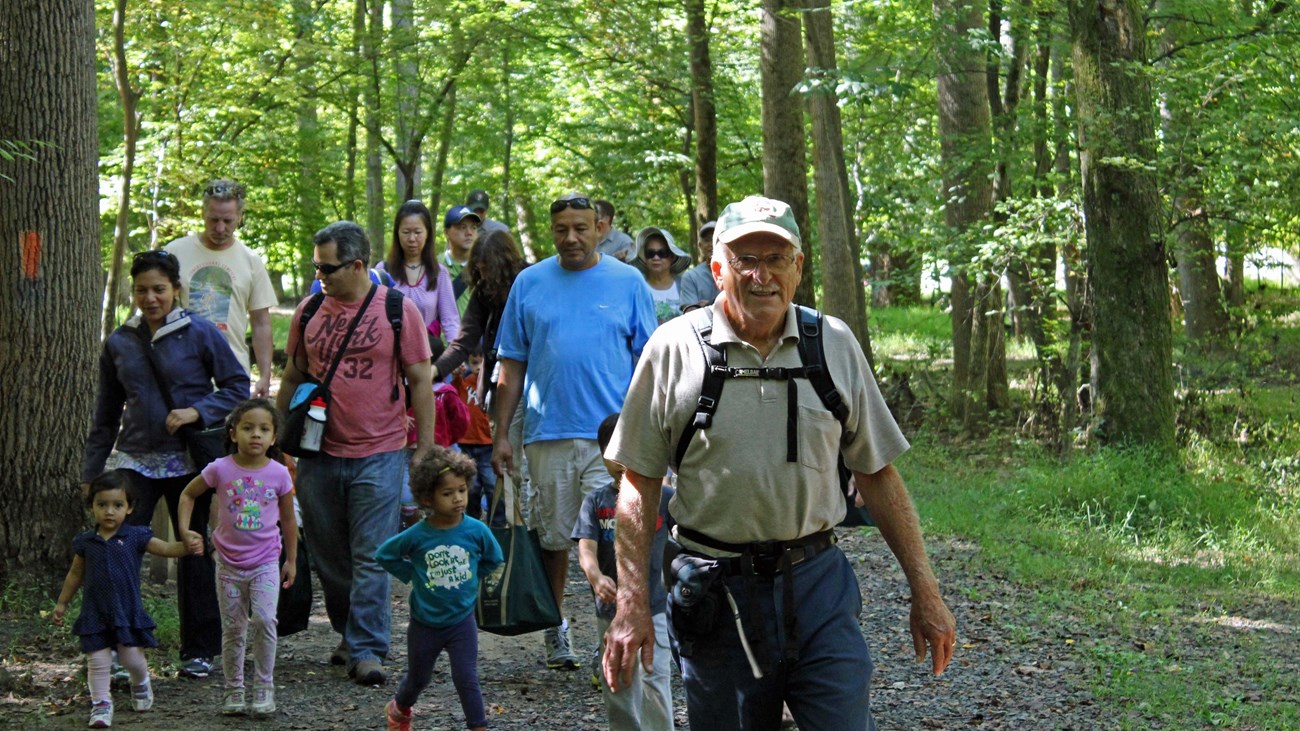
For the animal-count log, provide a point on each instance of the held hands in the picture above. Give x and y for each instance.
(178, 418)
(193, 541)
(933, 625)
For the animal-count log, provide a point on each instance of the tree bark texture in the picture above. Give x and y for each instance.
(407, 168)
(843, 294)
(49, 307)
(1128, 273)
(785, 166)
(965, 133)
(444, 149)
(705, 118)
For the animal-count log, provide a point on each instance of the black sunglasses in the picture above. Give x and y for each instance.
(214, 191)
(328, 269)
(578, 203)
(153, 254)
(658, 254)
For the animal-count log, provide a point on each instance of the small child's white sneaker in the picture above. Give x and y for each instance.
(263, 700)
(142, 696)
(101, 714)
(233, 705)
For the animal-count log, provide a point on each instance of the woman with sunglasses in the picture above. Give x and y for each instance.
(139, 430)
(662, 263)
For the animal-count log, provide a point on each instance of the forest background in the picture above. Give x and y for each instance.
(1107, 193)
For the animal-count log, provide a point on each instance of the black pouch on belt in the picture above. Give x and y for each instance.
(695, 593)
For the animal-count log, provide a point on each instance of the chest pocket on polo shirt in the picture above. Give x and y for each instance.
(819, 439)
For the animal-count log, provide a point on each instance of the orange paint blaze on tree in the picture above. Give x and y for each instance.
(31, 254)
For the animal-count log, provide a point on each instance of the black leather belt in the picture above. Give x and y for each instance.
(768, 558)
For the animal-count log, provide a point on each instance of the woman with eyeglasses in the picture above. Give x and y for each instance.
(662, 264)
(413, 265)
(140, 431)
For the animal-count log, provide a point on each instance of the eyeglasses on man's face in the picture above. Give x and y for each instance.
(328, 269)
(577, 203)
(747, 263)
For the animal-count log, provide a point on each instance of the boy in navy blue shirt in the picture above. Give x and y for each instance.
(648, 703)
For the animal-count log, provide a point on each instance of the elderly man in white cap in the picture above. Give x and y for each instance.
(763, 606)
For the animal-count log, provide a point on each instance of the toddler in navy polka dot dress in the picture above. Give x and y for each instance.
(107, 561)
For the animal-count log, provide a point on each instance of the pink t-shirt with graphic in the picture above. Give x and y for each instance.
(247, 506)
(362, 418)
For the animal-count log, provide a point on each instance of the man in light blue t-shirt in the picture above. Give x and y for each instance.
(572, 329)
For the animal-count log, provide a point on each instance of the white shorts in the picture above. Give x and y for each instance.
(563, 472)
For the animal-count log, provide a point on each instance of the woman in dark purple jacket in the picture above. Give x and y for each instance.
(135, 431)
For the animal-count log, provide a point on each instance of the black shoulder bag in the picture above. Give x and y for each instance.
(204, 445)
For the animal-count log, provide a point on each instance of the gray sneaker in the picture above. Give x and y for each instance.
(559, 653)
(233, 704)
(263, 700)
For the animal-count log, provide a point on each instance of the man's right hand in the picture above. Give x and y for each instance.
(503, 457)
(630, 635)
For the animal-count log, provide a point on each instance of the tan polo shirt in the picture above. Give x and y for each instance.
(734, 483)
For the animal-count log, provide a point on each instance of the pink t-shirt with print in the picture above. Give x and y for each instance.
(247, 505)
(362, 418)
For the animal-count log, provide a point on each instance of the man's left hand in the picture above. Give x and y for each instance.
(262, 389)
(933, 625)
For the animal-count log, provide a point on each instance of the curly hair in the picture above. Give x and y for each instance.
(497, 252)
(428, 473)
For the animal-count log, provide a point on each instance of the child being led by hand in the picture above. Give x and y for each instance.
(443, 558)
(254, 493)
(107, 562)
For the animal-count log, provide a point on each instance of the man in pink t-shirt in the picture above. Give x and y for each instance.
(350, 491)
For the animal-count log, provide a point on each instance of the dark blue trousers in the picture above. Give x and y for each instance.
(424, 644)
(827, 688)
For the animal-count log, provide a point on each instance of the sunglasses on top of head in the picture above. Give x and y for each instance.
(577, 203)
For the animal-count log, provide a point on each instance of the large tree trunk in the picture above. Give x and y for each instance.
(1127, 265)
(407, 167)
(966, 147)
(705, 117)
(841, 268)
(128, 96)
(49, 308)
(785, 167)
(375, 215)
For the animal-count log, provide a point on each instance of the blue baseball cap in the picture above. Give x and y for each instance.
(456, 214)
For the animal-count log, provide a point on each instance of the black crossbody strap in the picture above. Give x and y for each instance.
(343, 346)
(164, 386)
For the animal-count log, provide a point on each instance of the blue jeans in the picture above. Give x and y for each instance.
(423, 646)
(349, 507)
(827, 688)
(484, 485)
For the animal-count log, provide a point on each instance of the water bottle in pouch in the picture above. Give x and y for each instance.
(314, 430)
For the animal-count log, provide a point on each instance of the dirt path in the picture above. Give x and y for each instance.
(1011, 671)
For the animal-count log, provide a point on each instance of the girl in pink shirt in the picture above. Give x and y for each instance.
(254, 510)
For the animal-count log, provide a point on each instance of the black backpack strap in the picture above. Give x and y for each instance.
(393, 311)
(812, 352)
(715, 368)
